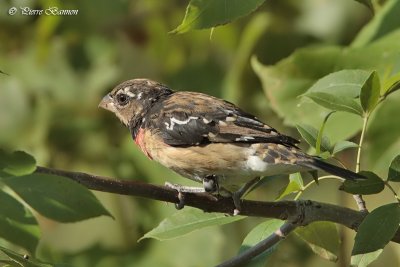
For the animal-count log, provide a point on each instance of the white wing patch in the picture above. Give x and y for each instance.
(255, 163)
(244, 138)
(173, 121)
(206, 121)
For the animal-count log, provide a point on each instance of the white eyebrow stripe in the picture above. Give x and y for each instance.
(173, 121)
(130, 94)
(126, 91)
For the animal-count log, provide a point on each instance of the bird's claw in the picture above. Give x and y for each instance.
(181, 203)
(181, 193)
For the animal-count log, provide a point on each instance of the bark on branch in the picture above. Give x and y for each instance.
(300, 212)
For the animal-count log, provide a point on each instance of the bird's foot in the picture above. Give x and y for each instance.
(182, 189)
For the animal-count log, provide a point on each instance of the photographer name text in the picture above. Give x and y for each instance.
(51, 11)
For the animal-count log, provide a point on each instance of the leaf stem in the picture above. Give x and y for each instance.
(358, 198)
(361, 142)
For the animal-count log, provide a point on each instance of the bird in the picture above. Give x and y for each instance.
(208, 139)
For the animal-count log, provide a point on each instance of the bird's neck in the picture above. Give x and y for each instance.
(150, 107)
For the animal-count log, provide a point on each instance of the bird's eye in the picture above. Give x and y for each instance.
(122, 99)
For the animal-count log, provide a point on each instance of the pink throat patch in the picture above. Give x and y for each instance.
(139, 140)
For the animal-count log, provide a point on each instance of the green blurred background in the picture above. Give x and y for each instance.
(60, 67)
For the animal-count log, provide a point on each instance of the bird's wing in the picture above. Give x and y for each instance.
(188, 118)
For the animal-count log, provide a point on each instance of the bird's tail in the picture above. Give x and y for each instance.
(335, 170)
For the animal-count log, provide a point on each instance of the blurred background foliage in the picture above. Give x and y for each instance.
(60, 67)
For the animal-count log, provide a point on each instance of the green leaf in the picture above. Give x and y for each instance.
(363, 260)
(310, 135)
(295, 184)
(201, 14)
(56, 197)
(320, 137)
(372, 185)
(335, 102)
(17, 223)
(384, 22)
(343, 145)
(188, 220)
(17, 163)
(346, 83)
(291, 77)
(394, 170)
(391, 85)
(256, 235)
(375, 231)
(370, 92)
(322, 237)
(22, 261)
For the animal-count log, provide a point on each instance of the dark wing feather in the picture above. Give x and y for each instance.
(188, 118)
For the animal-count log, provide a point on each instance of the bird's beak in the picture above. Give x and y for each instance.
(107, 103)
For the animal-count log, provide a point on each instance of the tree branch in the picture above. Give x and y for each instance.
(262, 246)
(300, 212)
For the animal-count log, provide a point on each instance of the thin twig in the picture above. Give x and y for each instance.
(259, 248)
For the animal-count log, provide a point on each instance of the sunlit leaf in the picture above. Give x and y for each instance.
(363, 260)
(188, 220)
(295, 184)
(343, 145)
(256, 235)
(322, 237)
(370, 92)
(201, 14)
(375, 231)
(346, 83)
(372, 185)
(291, 77)
(17, 163)
(56, 197)
(391, 85)
(335, 102)
(394, 170)
(384, 22)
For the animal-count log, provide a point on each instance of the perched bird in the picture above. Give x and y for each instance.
(207, 139)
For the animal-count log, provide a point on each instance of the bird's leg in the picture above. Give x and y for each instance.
(182, 189)
(236, 196)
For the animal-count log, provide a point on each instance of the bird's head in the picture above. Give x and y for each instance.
(132, 99)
